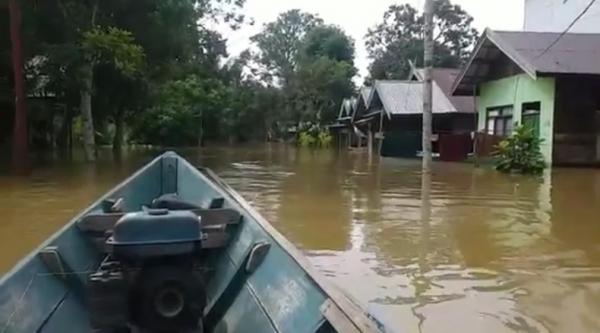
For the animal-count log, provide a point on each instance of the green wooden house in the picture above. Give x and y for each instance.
(546, 80)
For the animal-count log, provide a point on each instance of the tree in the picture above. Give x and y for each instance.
(179, 111)
(320, 86)
(279, 42)
(324, 75)
(88, 39)
(330, 42)
(399, 39)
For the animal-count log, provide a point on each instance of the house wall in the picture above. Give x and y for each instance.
(515, 91)
(577, 118)
(556, 15)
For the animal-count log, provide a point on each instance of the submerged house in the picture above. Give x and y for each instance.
(342, 128)
(444, 78)
(395, 118)
(548, 81)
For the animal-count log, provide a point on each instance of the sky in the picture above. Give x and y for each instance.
(356, 17)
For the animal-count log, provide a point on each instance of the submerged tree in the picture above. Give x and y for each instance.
(399, 39)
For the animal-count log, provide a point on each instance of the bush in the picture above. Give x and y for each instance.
(313, 136)
(520, 153)
(324, 139)
(306, 140)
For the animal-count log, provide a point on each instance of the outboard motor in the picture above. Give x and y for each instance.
(150, 277)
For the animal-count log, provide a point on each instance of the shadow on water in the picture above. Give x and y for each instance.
(479, 251)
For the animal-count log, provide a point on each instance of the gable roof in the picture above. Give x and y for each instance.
(444, 78)
(347, 108)
(574, 53)
(406, 98)
(363, 103)
(366, 94)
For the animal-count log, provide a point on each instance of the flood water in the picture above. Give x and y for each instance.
(488, 253)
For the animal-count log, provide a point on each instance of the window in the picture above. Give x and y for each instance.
(499, 121)
(531, 116)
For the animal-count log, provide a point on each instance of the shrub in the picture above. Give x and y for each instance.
(324, 139)
(314, 136)
(520, 153)
(306, 140)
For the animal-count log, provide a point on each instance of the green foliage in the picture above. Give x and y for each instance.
(520, 153)
(313, 136)
(314, 63)
(113, 45)
(156, 71)
(280, 41)
(176, 119)
(319, 86)
(399, 39)
(325, 139)
(330, 42)
(306, 139)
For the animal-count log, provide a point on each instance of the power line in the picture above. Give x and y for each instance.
(587, 8)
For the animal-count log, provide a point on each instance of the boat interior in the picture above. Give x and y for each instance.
(171, 249)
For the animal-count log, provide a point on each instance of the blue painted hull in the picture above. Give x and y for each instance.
(283, 294)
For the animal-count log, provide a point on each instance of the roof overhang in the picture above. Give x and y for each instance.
(488, 48)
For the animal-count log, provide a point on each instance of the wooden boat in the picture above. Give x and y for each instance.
(172, 249)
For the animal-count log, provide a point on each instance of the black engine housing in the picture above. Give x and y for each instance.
(151, 277)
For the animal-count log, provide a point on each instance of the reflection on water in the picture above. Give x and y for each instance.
(492, 252)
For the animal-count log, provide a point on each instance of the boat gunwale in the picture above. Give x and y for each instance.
(351, 309)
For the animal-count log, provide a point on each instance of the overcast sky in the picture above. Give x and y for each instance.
(355, 17)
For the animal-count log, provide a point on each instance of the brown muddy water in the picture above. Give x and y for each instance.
(498, 253)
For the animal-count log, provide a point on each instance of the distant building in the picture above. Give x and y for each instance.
(392, 120)
(342, 127)
(519, 79)
(556, 15)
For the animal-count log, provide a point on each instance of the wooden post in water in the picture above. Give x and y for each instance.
(20, 162)
(370, 142)
(427, 89)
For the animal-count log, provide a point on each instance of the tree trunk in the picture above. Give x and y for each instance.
(89, 142)
(118, 137)
(20, 153)
(200, 132)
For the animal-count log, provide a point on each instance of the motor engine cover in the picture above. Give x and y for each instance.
(154, 233)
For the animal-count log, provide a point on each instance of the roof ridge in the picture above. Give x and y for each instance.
(544, 32)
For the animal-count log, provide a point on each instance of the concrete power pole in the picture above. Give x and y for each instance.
(428, 91)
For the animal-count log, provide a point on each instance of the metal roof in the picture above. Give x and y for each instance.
(363, 102)
(574, 53)
(406, 98)
(366, 93)
(347, 108)
(444, 78)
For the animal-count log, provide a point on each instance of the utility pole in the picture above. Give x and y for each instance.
(427, 89)
(20, 159)
(427, 119)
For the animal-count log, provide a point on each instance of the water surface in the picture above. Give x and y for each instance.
(489, 253)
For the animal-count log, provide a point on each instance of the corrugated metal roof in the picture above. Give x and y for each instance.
(347, 108)
(365, 93)
(445, 78)
(406, 97)
(574, 53)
